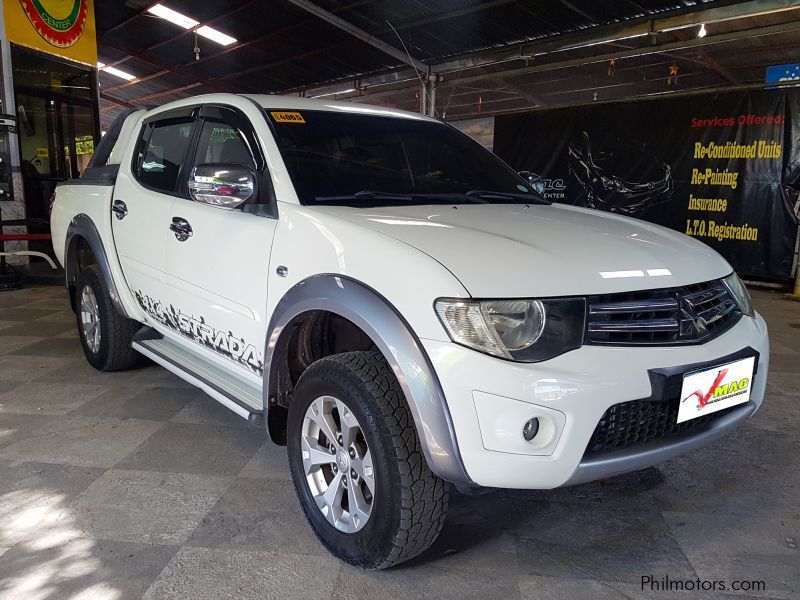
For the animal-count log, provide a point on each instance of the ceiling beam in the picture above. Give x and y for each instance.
(174, 70)
(793, 26)
(182, 34)
(327, 16)
(118, 101)
(604, 34)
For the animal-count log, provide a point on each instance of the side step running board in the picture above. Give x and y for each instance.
(239, 396)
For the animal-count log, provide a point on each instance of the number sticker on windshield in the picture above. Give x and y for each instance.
(287, 117)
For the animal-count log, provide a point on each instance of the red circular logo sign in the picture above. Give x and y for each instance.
(57, 31)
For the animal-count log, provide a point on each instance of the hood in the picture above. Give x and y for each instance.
(508, 251)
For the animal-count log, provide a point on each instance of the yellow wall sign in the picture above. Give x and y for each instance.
(42, 153)
(62, 27)
(287, 117)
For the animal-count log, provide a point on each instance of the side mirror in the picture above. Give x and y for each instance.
(221, 184)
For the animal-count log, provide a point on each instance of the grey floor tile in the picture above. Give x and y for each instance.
(22, 368)
(147, 507)
(78, 370)
(36, 328)
(41, 398)
(422, 582)
(31, 493)
(16, 427)
(260, 514)
(80, 568)
(606, 544)
(153, 404)
(270, 461)
(557, 588)
(51, 346)
(217, 574)
(22, 314)
(83, 441)
(10, 343)
(191, 448)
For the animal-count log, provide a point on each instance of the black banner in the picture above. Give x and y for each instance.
(723, 168)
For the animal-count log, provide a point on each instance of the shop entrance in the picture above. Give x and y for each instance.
(57, 126)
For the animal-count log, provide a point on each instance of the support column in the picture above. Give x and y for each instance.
(16, 208)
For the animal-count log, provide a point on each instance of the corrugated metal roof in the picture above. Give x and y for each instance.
(281, 47)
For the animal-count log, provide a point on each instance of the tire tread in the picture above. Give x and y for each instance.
(423, 496)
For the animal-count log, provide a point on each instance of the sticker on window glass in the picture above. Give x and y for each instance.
(287, 117)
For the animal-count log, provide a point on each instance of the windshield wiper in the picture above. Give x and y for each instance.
(366, 195)
(492, 195)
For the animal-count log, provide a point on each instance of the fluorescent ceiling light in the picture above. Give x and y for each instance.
(115, 71)
(172, 16)
(215, 36)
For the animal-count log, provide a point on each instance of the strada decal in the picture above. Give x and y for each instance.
(224, 343)
(60, 31)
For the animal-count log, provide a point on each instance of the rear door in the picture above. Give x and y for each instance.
(217, 276)
(143, 197)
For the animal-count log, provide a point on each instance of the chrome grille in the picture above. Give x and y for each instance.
(689, 314)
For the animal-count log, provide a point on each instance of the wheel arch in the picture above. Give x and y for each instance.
(391, 335)
(82, 234)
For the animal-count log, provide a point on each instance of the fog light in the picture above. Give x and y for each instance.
(531, 429)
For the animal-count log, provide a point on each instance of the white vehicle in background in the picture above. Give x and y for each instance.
(399, 308)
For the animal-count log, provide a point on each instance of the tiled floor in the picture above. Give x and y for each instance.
(133, 484)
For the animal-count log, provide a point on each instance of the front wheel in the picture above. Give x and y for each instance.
(357, 464)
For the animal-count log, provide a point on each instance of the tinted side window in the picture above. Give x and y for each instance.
(221, 143)
(163, 153)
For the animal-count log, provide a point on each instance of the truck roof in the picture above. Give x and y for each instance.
(273, 101)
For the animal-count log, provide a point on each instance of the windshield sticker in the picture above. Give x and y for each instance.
(221, 342)
(287, 117)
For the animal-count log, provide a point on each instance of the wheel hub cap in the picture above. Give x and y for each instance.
(90, 319)
(338, 464)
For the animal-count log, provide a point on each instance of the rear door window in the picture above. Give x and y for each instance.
(163, 151)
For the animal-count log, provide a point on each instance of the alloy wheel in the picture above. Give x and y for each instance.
(90, 319)
(337, 464)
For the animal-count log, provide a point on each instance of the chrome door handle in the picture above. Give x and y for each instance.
(119, 208)
(181, 228)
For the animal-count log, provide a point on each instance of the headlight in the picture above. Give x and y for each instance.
(740, 294)
(520, 330)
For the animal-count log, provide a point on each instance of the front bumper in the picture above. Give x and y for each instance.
(489, 400)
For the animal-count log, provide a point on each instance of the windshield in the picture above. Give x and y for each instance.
(365, 160)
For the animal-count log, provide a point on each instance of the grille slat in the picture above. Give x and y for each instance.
(689, 314)
(634, 326)
(640, 306)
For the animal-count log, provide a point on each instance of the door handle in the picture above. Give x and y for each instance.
(120, 209)
(181, 228)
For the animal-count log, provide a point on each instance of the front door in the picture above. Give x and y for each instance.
(143, 197)
(217, 277)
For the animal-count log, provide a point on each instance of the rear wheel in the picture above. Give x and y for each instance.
(106, 335)
(357, 464)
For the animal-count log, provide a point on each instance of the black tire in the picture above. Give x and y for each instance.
(410, 502)
(116, 332)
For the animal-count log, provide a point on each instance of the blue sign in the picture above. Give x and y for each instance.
(783, 73)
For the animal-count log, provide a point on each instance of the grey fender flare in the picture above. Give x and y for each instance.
(399, 345)
(82, 226)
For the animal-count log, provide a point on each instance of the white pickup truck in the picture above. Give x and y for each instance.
(399, 308)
